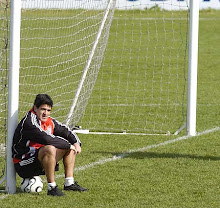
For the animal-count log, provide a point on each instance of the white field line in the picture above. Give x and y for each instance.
(121, 156)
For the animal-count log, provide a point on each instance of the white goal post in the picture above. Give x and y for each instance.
(192, 68)
(109, 67)
(13, 90)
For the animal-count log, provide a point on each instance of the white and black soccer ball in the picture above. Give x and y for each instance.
(32, 185)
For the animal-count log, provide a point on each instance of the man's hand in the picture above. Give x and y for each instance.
(72, 147)
(76, 148)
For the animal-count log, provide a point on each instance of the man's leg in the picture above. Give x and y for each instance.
(48, 158)
(69, 163)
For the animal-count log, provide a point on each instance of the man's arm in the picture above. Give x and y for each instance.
(63, 131)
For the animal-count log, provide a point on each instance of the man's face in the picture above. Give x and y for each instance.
(43, 112)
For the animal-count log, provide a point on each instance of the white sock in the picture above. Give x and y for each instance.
(51, 185)
(69, 181)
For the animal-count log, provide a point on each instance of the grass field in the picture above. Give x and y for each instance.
(151, 171)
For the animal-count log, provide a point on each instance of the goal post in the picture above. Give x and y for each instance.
(13, 90)
(192, 68)
(110, 66)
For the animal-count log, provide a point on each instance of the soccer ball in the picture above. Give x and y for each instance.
(32, 185)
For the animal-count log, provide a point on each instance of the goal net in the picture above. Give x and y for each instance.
(62, 47)
(110, 66)
(141, 82)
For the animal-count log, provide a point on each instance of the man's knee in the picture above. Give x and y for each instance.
(47, 150)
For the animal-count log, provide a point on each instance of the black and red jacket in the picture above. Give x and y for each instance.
(31, 134)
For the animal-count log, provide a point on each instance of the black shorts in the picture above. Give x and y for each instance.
(30, 166)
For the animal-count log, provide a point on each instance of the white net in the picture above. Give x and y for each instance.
(56, 43)
(141, 83)
(134, 65)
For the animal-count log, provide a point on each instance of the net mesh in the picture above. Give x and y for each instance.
(141, 83)
(139, 78)
(56, 44)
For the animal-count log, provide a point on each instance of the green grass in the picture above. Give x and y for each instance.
(183, 174)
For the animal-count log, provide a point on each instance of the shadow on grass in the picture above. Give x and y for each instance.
(142, 155)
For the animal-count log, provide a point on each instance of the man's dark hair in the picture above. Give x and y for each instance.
(42, 99)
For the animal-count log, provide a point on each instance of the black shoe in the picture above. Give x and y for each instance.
(75, 187)
(55, 192)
